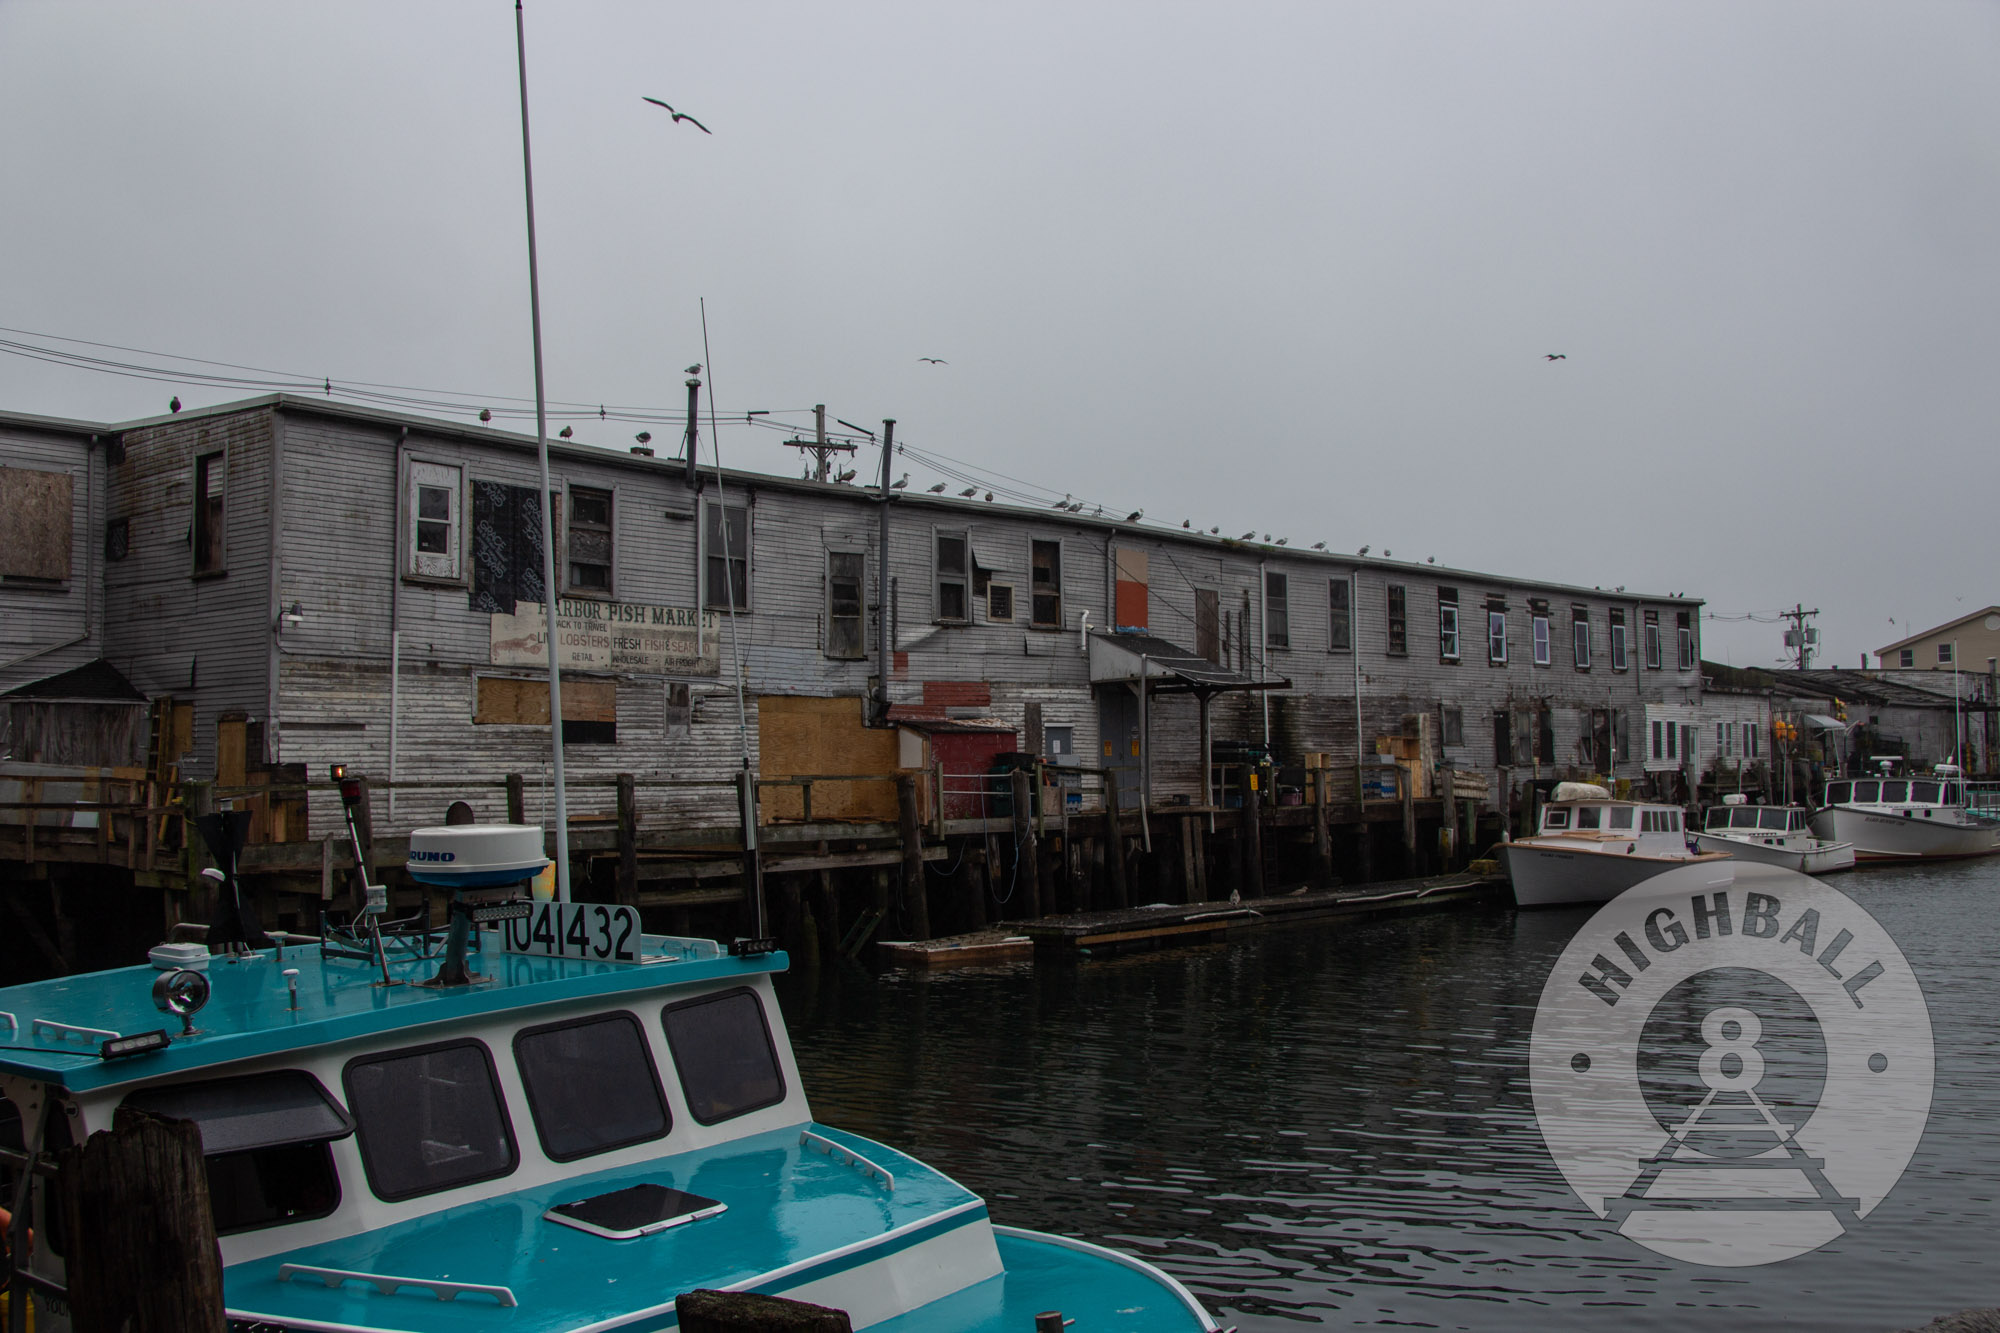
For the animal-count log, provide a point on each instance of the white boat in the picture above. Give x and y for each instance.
(1591, 848)
(1777, 835)
(1891, 818)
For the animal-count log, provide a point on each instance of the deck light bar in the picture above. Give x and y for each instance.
(751, 948)
(139, 1043)
(501, 912)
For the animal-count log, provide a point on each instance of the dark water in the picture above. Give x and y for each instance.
(1333, 1123)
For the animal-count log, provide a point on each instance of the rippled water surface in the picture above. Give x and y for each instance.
(1332, 1123)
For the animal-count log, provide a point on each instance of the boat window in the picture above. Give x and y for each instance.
(1867, 793)
(1589, 816)
(1621, 817)
(1555, 819)
(1924, 793)
(1895, 793)
(429, 1118)
(1717, 817)
(1839, 793)
(724, 1056)
(1952, 795)
(1743, 818)
(1773, 820)
(265, 1144)
(591, 1085)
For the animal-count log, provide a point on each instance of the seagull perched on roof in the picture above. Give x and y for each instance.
(938, 489)
(644, 437)
(174, 403)
(936, 361)
(1248, 536)
(989, 497)
(900, 482)
(1319, 546)
(1283, 540)
(567, 431)
(968, 492)
(847, 475)
(694, 369)
(1215, 531)
(1135, 516)
(485, 414)
(1187, 522)
(678, 116)
(1062, 503)
(1362, 551)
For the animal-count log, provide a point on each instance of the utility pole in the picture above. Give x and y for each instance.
(1801, 638)
(819, 446)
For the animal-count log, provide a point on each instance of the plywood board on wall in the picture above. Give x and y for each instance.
(800, 737)
(514, 701)
(34, 523)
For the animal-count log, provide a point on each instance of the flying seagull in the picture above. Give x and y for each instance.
(938, 489)
(1556, 356)
(936, 361)
(679, 116)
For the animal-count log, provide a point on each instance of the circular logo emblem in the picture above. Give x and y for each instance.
(1734, 1069)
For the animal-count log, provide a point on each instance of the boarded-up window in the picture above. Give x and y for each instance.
(34, 523)
(211, 481)
(953, 568)
(1045, 562)
(1208, 625)
(1546, 724)
(1339, 616)
(845, 638)
(725, 543)
(590, 707)
(1277, 611)
(434, 523)
(589, 542)
(1130, 608)
(506, 547)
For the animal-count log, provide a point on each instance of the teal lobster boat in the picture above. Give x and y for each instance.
(553, 1143)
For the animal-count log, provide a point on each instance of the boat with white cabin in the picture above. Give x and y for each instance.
(1907, 818)
(538, 1119)
(1777, 835)
(1590, 847)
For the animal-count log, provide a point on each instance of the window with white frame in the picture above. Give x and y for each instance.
(1907, 657)
(1944, 653)
(1543, 652)
(1339, 616)
(1750, 740)
(1579, 629)
(1277, 611)
(1447, 624)
(1659, 746)
(725, 543)
(1496, 631)
(952, 564)
(1684, 638)
(434, 525)
(1618, 662)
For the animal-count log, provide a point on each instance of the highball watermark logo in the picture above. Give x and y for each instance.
(1734, 1072)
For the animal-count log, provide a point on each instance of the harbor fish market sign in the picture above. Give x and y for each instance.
(612, 637)
(1732, 1073)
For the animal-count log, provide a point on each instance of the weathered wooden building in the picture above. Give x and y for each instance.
(305, 582)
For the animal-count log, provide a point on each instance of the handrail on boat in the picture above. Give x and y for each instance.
(64, 1031)
(808, 1139)
(389, 1286)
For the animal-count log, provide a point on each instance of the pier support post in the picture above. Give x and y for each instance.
(628, 839)
(916, 904)
(1407, 790)
(1114, 843)
(517, 799)
(1448, 823)
(747, 1312)
(142, 1250)
(1253, 841)
(1322, 876)
(1026, 849)
(975, 883)
(1191, 859)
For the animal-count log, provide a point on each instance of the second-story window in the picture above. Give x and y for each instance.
(1399, 620)
(1339, 616)
(1684, 639)
(211, 479)
(1618, 662)
(1277, 612)
(954, 570)
(589, 536)
(1579, 628)
(1496, 631)
(1652, 632)
(1447, 624)
(1045, 585)
(725, 540)
(846, 637)
(433, 522)
(1543, 650)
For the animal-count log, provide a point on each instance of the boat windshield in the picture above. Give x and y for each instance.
(1744, 817)
(1798, 821)
(1953, 795)
(1621, 817)
(1589, 816)
(1839, 793)
(1718, 816)
(1895, 792)
(1772, 820)
(1867, 793)
(1925, 793)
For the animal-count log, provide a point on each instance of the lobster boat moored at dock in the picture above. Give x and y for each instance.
(1589, 848)
(1893, 818)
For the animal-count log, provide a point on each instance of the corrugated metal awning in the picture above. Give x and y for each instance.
(1825, 723)
(1124, 656)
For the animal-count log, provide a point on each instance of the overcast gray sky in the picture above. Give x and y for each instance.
(1290, 267)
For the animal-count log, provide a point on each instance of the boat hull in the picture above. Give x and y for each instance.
(1554, 876)
(1809, 856)
(1911, 837)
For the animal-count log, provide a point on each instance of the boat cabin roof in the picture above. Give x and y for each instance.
(59, 1026)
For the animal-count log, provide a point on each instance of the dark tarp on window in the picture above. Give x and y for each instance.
(506, 546)
(258, 1111)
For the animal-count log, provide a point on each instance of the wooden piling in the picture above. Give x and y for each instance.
(1114, 843)
(1409, 797)
(916, 902)
(1190, 858)
(975, 884)
(517, 799)
(1027, 850)
(1448, 826)
(628, 839)
(1322, 854)
(1253, 841)
(746, 1312)
(142, 1255)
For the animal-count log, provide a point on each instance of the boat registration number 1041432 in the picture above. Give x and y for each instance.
(575, 930)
